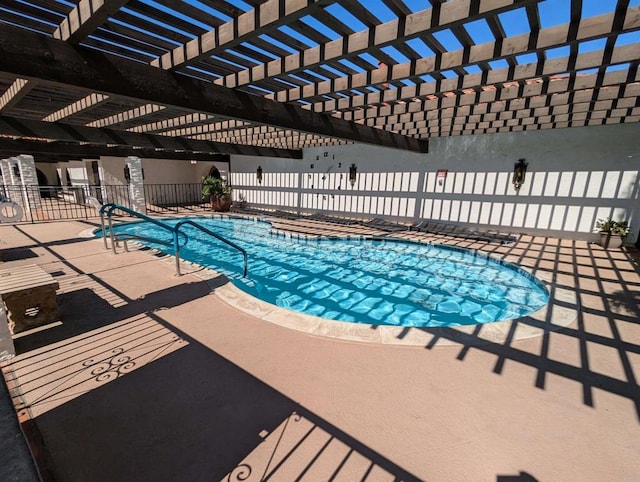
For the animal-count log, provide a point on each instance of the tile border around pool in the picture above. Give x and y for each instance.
(558, 313)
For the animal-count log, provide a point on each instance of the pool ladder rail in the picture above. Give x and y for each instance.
(109, 208)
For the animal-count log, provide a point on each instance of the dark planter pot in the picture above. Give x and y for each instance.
(610, 241)
(220, 203)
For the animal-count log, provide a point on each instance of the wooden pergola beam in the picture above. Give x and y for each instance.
(85, 18)
(495, 78)
(15, 93)
(79, 67)
(265, 17)
(552, 37)
(61, 150)
(452, 13)
(17, 128)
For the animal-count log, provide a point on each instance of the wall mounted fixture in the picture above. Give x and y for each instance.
(353, 171)
(519, 172)
(127, 174)
(16, 171)
(259, 174)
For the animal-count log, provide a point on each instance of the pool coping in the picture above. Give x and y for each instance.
(560, 312)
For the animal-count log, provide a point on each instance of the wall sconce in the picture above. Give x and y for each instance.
(194, 162)
(519, 172)
(353, 170)
(259, 174)
(16, 171)
(127, 174)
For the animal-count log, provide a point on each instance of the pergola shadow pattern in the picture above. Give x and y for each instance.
(604, 294)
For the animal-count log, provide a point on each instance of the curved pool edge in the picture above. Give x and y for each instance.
(530, 326)
(553, 316)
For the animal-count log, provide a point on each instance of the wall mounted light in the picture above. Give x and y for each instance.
(353, 171)
(127, 174)
(519, 172)
(259, 174)
(16, 171)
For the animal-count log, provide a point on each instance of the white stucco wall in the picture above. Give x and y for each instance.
(167, 181)
(574, 177)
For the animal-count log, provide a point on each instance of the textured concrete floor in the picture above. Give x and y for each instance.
(152, 377)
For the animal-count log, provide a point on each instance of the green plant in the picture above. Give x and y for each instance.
(612, 227)
(215, 186)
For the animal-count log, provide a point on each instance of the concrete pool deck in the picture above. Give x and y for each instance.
(153, 377)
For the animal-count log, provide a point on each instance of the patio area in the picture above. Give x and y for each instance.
(152, 377)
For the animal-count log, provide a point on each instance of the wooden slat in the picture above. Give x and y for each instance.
(79, 134)
(268, 15)
(82, 68)
(20, 278)
(455, 12)
(85, 19)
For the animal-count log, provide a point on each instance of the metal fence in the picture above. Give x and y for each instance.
(48, 203)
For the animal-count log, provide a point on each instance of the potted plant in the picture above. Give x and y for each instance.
(218, 191)
(612, 232)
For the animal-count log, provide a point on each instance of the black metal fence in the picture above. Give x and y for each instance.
(47, 203)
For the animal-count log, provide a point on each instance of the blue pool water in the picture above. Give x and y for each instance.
(357, 280)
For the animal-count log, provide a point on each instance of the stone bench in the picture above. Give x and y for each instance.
(29, 293)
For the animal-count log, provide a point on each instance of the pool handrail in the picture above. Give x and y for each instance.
(210, 233)
(109, 208)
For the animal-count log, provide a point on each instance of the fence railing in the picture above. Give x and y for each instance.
(48, 203)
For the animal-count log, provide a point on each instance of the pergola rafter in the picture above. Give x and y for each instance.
(16, 128)
(281, 80)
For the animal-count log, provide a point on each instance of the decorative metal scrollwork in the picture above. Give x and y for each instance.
(113, 367)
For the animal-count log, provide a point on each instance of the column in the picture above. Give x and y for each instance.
(136, 185)
(29, 177)
(14, 191)
(4, 169)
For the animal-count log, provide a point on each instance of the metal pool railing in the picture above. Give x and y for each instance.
(108, 209)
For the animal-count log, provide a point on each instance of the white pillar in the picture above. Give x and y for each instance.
(136, 184)
(4, 169)
(14, 177)
(29, 177)
(12, 181)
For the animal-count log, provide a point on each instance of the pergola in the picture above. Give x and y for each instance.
(183, 79)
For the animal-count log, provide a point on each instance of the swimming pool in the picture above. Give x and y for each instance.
(378, 282)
